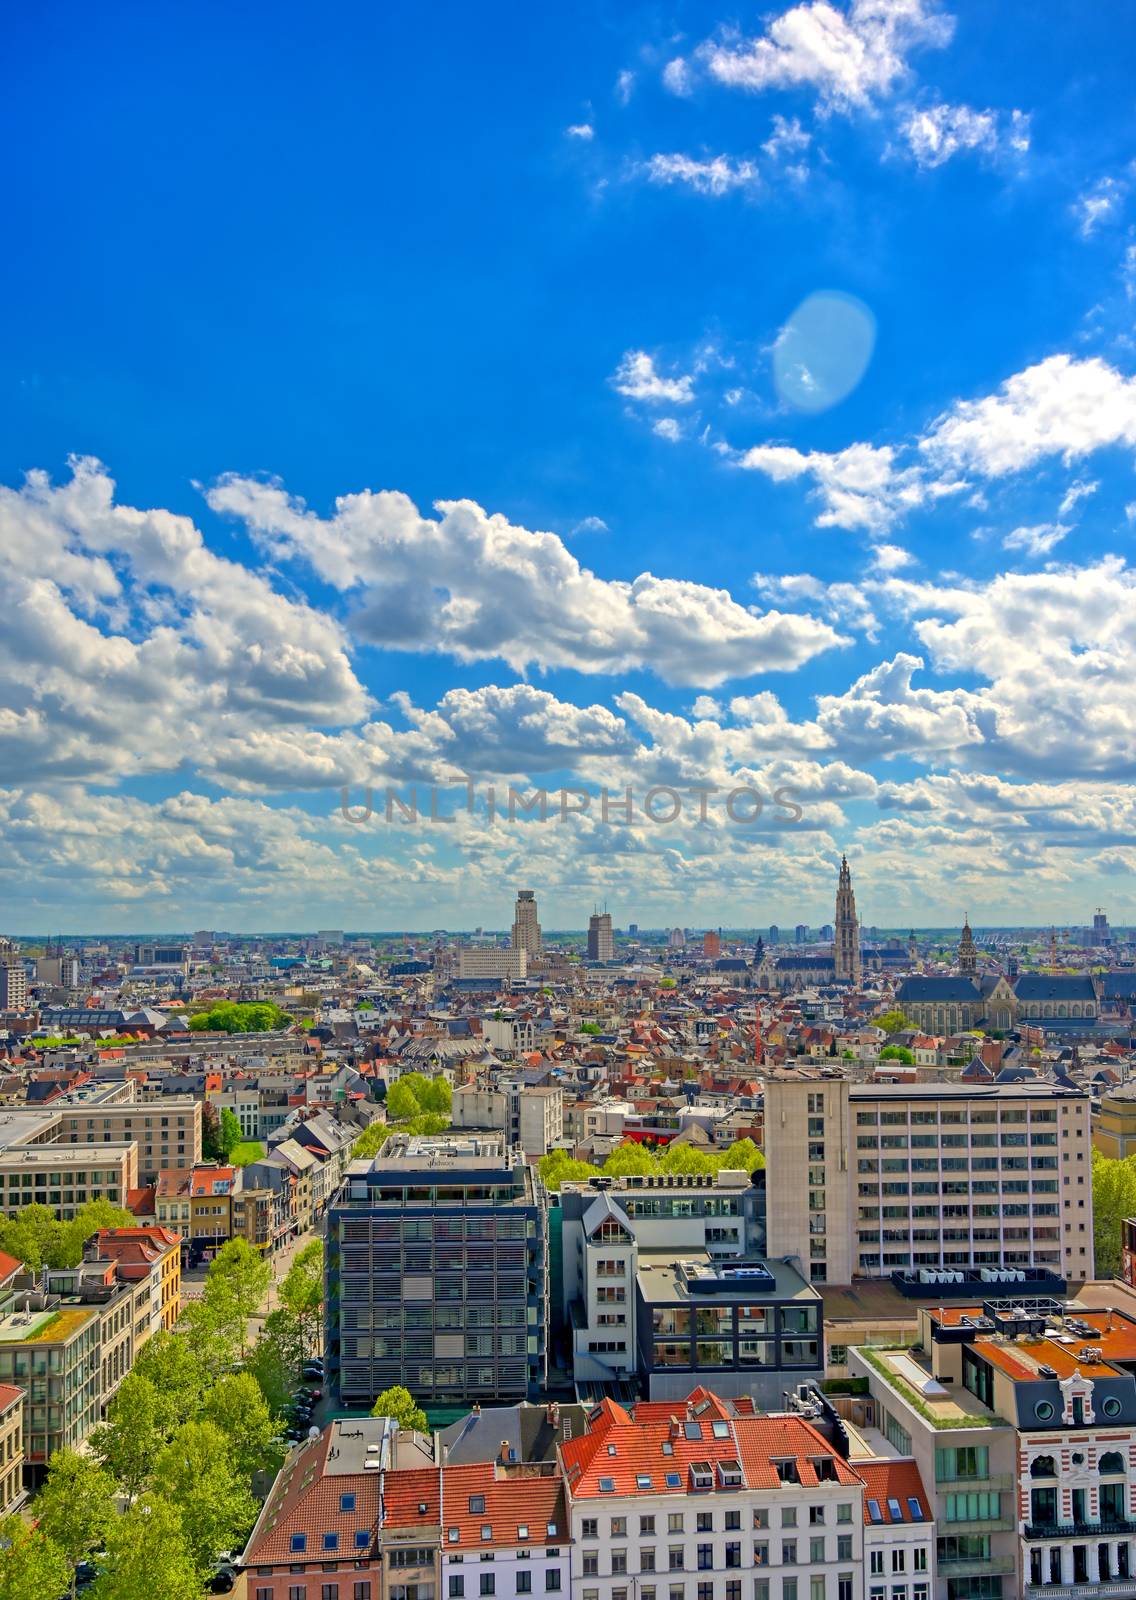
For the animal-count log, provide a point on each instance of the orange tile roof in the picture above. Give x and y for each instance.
(513, 1499)
(10, 1395)
(893, 1480)
(9, 1265)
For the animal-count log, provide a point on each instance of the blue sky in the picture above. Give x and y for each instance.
(547, 267)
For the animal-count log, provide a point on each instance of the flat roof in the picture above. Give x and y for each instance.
(36, 1157)
(662, 1278)
(963, 1091)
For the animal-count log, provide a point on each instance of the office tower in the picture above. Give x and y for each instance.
(711, 945)
(437, 1273)
(847, 929)
(526, 929)
(601, 944)
(492, 962)
(1101, 934)
(864, 1180)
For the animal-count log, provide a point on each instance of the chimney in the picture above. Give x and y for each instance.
(504, 1453)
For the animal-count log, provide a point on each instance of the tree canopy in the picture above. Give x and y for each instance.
(1114, 1199)
(400, 1404)
(32, 1566)
(231, 1016)
(37, 1237)
(633, 1158)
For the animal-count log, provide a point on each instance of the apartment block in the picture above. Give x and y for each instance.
(11, 1448)
(437, 1273)
(1021, 1413)
(871, 1180)
(493, 963)
(167, 1132)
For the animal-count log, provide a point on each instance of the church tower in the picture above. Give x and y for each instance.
(846, 929)
(968, 955)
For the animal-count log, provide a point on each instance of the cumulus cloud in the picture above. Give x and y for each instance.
(787, 138)
(668, 428)
(1037, 540)
(677, 77)
(638, 378)
(713, 175)
(480, 588)
(858, 487)
(581, 130)
(852, 58)
(1098, 204)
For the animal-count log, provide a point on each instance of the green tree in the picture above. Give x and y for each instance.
(133, 1436)
(897, 1052)
(230, 1133)
(590, 1027)
(559, 1167)
(1114, 1199)
(147, 1556)
(301, 1293)
(685, 1158)
(197, 1474)
(227, 1016)
(402, 1102)
(370, 1141)
(275, 1359)
(213, 1332)
(34, 1236)
(893, 1022)
(240, 1410)
(236, 1284)
(90, 1218)
(436, 1095)
(76, 1506)
(210, 1132)
(400, 1404)
(32, 1567)
(629, 1159)
(168, 1362)
(742, 1156)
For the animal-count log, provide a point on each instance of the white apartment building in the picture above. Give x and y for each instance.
(492, 962)
(864, 1180)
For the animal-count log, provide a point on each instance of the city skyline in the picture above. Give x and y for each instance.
(721, 412)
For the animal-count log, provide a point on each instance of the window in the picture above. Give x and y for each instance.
(877, 1562)
(674, 1521)
(298, 1543)
(524, 1583)
(816, 1552)
(789, 1517)
(817, 1587)
(619, 1527)
(591, 1564)
(674, 1557)
(618, 1563)
(552, 1580)
(647, 1526)
(733, 1520)
(733, 1555)
(646, 1561)
(844, 1547)
(457, 1587)
(705, 1557)
(761, 1555)
(347, 1502)
(789, 1552)
(704, 1522)
(297, 1591)
(488, 1583)
(899, 1559)
(590, 1528)
(331, 1541)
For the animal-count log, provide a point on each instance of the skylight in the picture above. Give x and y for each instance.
(874, 1511)
(915, 1508)
(607, 1485)
(895, 1510)
(673, 1480)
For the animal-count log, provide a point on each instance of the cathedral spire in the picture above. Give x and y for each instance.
(846, 928)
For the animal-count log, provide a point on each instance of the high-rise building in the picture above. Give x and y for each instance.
(492, 962)
(601, 943)
(825, 934)
(846, 929)
(711, 945)
(526, 928)
(633, 930)
(676, 939)
(13, 978)
(774, 933)
(437, 1273)
(801, 933)
(867, 1179)
(1101, 934)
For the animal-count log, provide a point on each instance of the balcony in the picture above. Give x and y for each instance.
(976, 1566)
(1106, 1589)
(1080, 1530)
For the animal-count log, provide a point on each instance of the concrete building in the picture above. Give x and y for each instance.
(167, 1132)
(866, 1180)
(601, 942)
(509, 1034)
(11, 1448)
(526, 928)
(1114, 1122)
(493, 963)
(13, 978)
(610, 1226)
(437, 1273)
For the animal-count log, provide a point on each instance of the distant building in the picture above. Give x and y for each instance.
(526, 928)
(13, 978)
(711, 945)
(493, 963)
(601, 943)
(801, 933)
(774, 933)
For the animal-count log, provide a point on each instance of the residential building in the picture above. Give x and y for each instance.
(167, 1132)
(253, 1217)
(11, 1448)
(1022, 1415)
(150, 1254)
(210, 1209)
(437, 1272)
(1114, 1122)
(526, 928)
(13, 978)
(869, 1179)
(172, 1204)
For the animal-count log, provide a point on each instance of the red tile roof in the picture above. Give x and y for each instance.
(10, 1394)
(9, 1265)
(893, 1480)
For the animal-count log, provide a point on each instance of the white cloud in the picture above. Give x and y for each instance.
(712, 175)
(1038, 540)
(1128, 271)
(668, 428)
(677, 77)
(638, 378)
(705, 707)
(480, 588)
(858, 487)
(625, 86)
(936, 133)
(589, 525)
(890, 557)
(1062, 406)
(1098, 204)
(788, 137)
(1074, 494)
(581, 130)
(852, 58)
